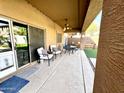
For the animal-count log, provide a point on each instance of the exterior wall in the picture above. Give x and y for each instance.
(109, 76)
(23, 11)
(75, 41)
(87, 42)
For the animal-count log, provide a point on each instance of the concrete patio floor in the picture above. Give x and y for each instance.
(63, 76)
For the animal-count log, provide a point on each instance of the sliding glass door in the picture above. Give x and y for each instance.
(7, 58)
(20, 32)
(14, 46)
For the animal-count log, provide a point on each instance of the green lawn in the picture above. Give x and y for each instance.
(90, 52)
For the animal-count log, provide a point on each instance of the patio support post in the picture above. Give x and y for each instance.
(81, 41)
(109, 76)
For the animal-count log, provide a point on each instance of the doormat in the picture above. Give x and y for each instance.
(13, 84)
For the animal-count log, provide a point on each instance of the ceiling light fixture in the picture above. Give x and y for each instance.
(67, 26)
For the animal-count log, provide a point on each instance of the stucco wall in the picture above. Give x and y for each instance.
(23, 11)
(109, 76)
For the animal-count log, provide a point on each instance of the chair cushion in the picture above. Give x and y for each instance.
(39, 50)
(44, 52)
(57, 52)
(54, 49)
(46, 57)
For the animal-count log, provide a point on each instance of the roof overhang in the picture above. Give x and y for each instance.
(95, 7)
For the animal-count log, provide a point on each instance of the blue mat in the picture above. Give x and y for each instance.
(13, 84)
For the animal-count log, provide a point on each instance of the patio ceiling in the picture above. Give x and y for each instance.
(74, 10)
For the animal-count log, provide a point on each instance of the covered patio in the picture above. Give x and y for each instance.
(67, 74)
(28, 29)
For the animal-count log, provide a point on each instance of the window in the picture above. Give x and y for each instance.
(36, 41)
(59, 37)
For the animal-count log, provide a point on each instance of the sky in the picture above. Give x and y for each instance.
(95, 25)
(94, 28)
(97, 20)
